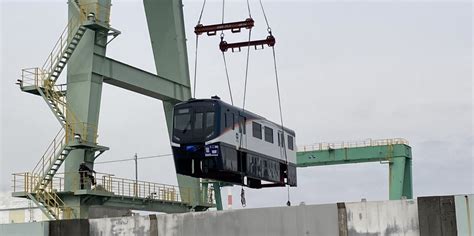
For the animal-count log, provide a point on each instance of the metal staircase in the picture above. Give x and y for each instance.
(42, 81)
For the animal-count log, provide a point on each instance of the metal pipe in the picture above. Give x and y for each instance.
(136, 173)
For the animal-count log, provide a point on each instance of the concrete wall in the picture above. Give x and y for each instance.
(426, 216)
(297, 220)
(465, 214)
(133, 225)
(437, 216)
(383, 218)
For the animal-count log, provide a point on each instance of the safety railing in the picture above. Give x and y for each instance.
(54, 204)
(352, 144)
(29, 77)
(56, 93)
(26, 182)
(36, 77)
(52, 151)
(101, 182)
(99, 12)
(59, 48)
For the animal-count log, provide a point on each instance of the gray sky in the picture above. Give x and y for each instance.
(348, 71)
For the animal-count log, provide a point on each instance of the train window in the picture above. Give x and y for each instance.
(268, 134)
(290, 142)
(209, 119)
(257, 130)
(198, 120)
(182, 122)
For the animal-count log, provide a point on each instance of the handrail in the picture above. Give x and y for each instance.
(352, 144)
(56, 145)
(33, 77)
(59, 46)
(115, 186)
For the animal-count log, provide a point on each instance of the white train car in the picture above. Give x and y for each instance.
(214, 140)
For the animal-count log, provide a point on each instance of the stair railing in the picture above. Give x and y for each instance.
(59, 48)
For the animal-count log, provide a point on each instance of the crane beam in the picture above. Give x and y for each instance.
(396, 154)
(139, 81)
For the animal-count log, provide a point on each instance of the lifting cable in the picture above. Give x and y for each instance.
(288, 203)
(242, 192)
(223, 58)
(248, 59)
(196, 50)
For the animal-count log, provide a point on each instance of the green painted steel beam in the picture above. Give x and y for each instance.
(146, 205)
(139, 81)
(398, 157)
(165, 22)
(85, 198)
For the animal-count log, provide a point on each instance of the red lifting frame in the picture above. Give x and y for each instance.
(234, 27)
(270, 41)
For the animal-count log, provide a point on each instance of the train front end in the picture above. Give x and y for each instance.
(194, 123)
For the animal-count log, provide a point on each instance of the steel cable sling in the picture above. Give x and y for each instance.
(242, 191)
(211, 30)
(223, 57)
(235, 27)
(196, 50)
(269, 29)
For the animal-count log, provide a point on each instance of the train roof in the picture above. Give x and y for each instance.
(222, 103)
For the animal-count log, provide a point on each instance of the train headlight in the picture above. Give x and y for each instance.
(191, 148)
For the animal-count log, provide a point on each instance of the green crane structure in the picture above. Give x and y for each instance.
(394, 152)
(76, 104)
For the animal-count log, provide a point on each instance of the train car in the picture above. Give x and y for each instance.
(215, 140)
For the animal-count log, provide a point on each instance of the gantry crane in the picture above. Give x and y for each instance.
(76, 104)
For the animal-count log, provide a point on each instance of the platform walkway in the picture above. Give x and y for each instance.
(116, 192)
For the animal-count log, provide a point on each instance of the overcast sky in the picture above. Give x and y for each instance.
(348, 71)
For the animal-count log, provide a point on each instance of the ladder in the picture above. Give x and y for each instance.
(41, 192)
(63, 50)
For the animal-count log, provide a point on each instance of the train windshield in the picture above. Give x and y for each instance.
(194, 124)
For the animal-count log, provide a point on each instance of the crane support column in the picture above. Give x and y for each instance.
(84, 90)
(166, 27)
(400, 178)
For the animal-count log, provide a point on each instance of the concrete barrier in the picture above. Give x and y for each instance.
(437, 216)
(427, 216)
(465, 214)
(383, 218)
(297, 220)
